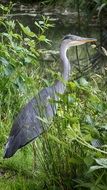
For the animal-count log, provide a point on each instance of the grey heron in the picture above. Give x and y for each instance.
(28, 125)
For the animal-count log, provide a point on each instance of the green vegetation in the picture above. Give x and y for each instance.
(73, 153)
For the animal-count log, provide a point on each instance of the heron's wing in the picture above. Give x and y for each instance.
(29, 123)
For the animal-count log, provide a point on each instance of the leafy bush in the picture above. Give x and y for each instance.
(73, 152)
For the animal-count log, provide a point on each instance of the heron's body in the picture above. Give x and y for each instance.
(24, 127)
(29, 123)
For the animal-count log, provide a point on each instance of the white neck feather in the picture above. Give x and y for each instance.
(65, 68)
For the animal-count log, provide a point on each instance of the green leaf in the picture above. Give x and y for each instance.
(83, 82)
(94, 168)
(88, 119)
(4, 61)
(102, 162)
(27, 31)
(27, 60)
(100, 8)
(38, 25)
(20, 84)
(42, 38)
(57, 140)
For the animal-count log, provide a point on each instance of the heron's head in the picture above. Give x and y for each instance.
(72, 40)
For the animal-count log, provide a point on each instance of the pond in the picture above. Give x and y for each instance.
(65, 22)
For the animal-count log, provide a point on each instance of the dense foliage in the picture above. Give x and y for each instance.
(72, 154)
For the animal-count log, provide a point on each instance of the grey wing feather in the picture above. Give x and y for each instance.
(27, 125)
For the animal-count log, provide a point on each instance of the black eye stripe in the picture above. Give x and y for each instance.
(67, 37)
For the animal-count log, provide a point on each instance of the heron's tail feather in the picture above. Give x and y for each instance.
(21, 139)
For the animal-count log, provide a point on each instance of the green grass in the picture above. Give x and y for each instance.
(63, 157)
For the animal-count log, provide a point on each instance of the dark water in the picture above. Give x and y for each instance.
(64, 23)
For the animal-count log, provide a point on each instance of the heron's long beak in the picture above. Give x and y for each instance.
(79, 41)
(85, 40)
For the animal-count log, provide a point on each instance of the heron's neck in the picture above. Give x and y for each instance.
(65, 69)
